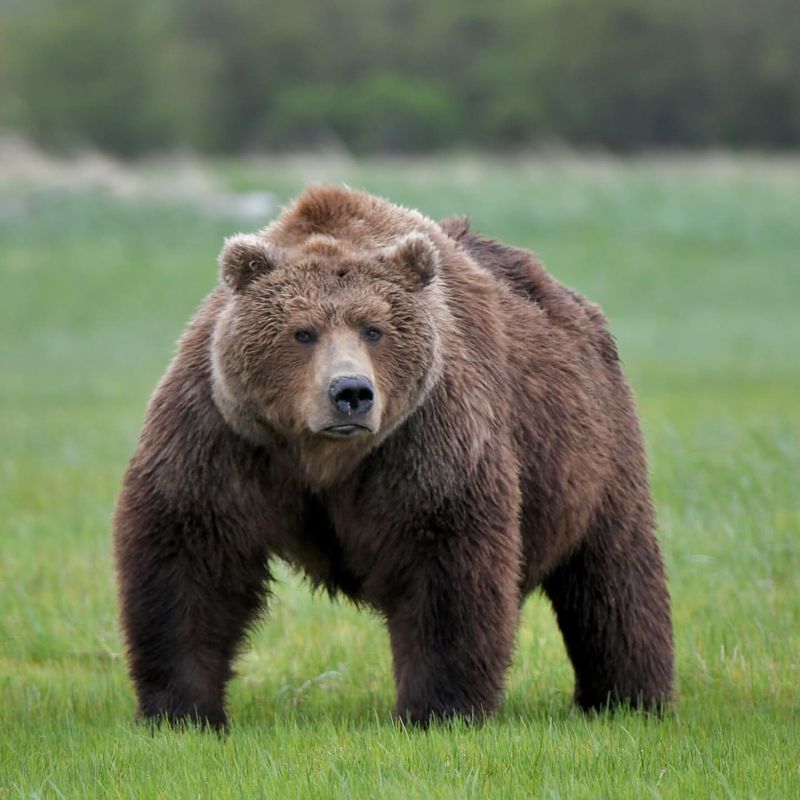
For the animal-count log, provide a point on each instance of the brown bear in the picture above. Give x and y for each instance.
(417, 417)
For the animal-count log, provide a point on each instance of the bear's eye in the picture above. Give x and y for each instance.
(305, 335)
(371, 333)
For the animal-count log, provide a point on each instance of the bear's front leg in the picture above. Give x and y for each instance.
(453, 630)
(187, 595)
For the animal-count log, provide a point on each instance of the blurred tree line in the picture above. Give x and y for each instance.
(400, 75)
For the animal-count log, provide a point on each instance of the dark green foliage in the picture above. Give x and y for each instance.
(385, 112)
(401, 75)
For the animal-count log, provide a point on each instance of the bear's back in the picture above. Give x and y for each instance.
(526, 277)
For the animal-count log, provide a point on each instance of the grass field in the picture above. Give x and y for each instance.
(697, 264)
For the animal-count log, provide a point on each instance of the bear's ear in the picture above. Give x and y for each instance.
(416, 257)
(245, 257)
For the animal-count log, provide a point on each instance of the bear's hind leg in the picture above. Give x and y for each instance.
(612, 605)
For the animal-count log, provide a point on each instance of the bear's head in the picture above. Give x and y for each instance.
(329, 337)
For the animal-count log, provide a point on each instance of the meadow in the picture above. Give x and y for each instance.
(697, 264)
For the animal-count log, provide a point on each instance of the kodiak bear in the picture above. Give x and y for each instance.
(417, 417)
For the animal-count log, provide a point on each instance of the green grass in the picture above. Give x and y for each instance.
(698, 266)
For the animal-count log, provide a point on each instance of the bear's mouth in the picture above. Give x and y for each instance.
(345, 431)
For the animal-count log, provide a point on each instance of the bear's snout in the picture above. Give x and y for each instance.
(352, 395)
(344, 400)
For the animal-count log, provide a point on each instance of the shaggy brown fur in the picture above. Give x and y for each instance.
(484, 443)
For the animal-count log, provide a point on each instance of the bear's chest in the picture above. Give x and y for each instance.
(328, 548)
(352, 538)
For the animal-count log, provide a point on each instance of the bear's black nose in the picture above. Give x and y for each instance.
(352, 395)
